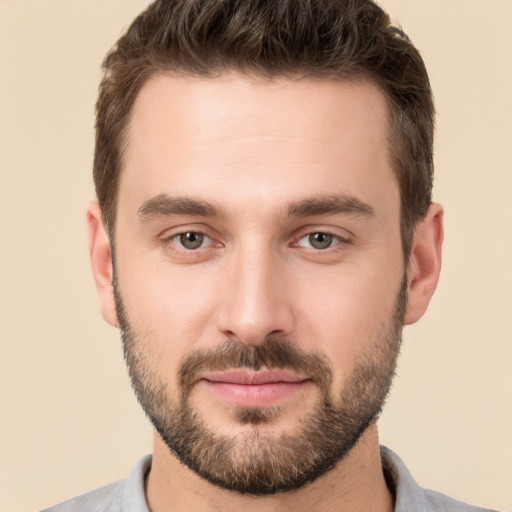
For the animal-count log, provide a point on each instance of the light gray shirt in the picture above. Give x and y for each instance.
(128, 495)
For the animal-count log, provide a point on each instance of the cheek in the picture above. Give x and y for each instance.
(167, 308)
(343, 320)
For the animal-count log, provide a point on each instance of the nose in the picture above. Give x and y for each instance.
(255, 301)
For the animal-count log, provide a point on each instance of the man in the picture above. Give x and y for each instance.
(263, 231)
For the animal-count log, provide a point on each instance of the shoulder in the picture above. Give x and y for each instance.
(442, 503)
(105, 499)
(123, 496)
(410, 497)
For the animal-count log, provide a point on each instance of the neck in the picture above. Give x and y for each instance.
(355, 484)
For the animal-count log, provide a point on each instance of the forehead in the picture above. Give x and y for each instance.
(206, 133)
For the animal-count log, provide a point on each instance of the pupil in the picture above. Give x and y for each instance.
(320, 240)
(191, 240)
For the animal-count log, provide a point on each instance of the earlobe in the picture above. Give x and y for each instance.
(100, 255)
(424, 263)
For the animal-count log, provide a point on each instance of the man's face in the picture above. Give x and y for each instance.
(259, 272)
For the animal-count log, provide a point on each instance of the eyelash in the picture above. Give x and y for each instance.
(173, 241)
(335, 239)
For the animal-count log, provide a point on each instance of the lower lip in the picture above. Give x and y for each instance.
(255, 395)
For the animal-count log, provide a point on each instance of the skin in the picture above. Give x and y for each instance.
(252, 148)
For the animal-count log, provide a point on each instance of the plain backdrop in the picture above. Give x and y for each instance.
(69, 421)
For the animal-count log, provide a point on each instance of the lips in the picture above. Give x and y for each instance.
(254, 378)
(254, 388)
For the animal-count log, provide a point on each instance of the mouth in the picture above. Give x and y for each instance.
(246, 388)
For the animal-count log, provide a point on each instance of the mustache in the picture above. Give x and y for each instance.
(275, 353)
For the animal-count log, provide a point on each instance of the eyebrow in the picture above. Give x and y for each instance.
(164, 205)
(330, 205)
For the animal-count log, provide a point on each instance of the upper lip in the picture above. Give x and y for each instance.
(251, 377)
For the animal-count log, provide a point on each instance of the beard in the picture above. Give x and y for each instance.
(254, 459)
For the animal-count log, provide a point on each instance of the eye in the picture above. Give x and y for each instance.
(319, 240)
(191, 240)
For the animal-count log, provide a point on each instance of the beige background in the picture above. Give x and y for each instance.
(68, 419)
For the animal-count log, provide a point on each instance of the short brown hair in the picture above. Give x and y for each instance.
(348, 39)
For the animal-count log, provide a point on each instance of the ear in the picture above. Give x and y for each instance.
(424, 263)
(101, 262)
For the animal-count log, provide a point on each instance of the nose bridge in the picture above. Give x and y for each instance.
(255, 305)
